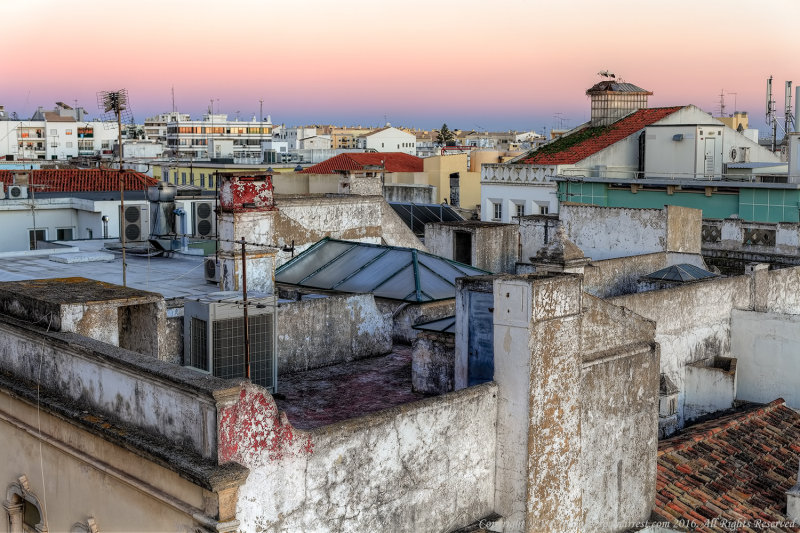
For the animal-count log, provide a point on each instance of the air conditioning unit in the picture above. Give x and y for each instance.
(213, 329)
(135, 223)
(204, 220)
(17, 192)
(211, 268)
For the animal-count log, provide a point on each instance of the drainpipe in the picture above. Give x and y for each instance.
(181, 212)
(105, 226)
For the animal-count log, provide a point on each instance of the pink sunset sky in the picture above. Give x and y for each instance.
(472, 64)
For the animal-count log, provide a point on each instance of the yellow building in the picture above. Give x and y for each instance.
(739, 118)
(202, 174)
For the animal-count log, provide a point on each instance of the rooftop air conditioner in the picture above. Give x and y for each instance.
(135, 223)
(213, 329)
(204, 220)
(211, 268)
(17, 192)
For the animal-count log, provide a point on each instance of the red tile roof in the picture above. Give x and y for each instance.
(604, 137)
(393, 161)
(735, 468)
(81, 180)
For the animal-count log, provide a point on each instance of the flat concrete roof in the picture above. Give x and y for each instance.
(179, 276)
(331, 394)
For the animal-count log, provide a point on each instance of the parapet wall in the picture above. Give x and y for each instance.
(423, 466)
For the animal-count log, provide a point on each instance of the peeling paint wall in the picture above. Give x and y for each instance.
(610, 232)
(692, 323)
(169, 401)
(406, 315)
(494, 246)
(324, 331)
(433, 362)
(613, 277)
(424, 466)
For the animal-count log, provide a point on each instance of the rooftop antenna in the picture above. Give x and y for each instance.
(173, 98)
(606, 74)
(115, 103)
(722, 102)
(788, 119)
(771, 112)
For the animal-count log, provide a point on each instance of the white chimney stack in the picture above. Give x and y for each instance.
(793, 153)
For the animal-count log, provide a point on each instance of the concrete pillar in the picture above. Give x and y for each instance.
(538, 369)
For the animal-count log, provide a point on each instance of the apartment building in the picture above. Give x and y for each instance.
(190, 139)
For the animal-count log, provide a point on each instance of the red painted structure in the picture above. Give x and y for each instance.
(246, 192)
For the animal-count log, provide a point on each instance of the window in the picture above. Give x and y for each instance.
(36, 235)
(64, 234)
(520, 210)
(202, 180)
(183, 178)
(544, 209)
(69, 132)
(497, 208)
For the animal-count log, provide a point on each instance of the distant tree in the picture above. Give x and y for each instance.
(445, 136)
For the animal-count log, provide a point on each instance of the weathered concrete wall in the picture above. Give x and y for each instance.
(609, 232)
(766, 346)
(173, 340)
(535, 233)
(692, 323)
(173, 402)
(619, 440)
(424, 466)
(78, 474)
(325, 331)
(406, 315)
(418, 194)
(613, 277)
(710, 387)
(307, 219)
(433, 362)
(494, 246)
(777, 291)
(737, 234)
(684, 229)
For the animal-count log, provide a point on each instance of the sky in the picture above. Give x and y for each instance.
(473, 64)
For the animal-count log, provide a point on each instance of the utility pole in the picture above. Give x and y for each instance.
(121, 200)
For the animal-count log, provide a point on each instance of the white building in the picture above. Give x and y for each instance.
(390, 139)
(190, 139)
(294, 135)
(59, 134)
(316, 142)
(155, 128)
(673, 142)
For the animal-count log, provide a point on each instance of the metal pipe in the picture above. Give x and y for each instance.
(246, 323)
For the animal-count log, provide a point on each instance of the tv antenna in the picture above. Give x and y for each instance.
(115, 104)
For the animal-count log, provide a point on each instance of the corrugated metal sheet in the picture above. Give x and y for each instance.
(386, 271)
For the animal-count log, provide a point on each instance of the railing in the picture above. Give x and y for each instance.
(516, 173)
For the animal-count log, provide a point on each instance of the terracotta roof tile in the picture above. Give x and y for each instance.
(600, 139)
(393, 161)
(737, 467)
(81, 180)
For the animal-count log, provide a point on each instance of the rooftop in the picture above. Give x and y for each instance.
(683, 273)
(81, 180)
(73, 290)
(340, 392)
(590, 140)
(178, 276)
(616, 87)
(735, 468)
(391, 161)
